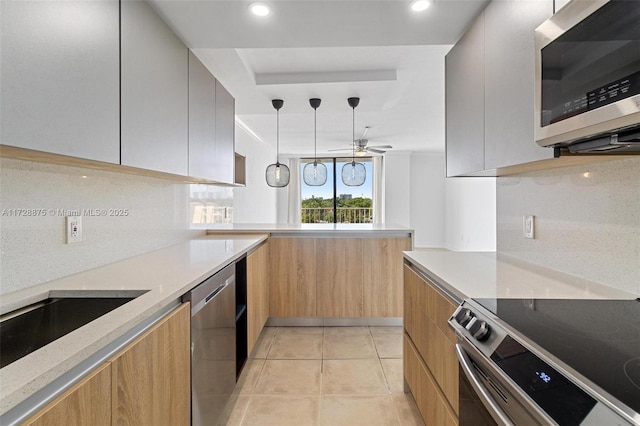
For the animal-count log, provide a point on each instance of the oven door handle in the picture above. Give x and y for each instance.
(494, 409)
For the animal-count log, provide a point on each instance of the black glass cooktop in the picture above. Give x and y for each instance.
(598, 338)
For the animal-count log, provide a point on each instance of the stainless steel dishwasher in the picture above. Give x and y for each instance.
(213, 346)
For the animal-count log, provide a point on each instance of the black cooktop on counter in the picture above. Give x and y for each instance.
(600, 339)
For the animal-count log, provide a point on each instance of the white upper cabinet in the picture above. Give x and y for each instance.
(59, 79)
(211, 126)
(154, 87)
(202, 120)
(509, 82)
(464, 94)
(225, 135)
(490, 84)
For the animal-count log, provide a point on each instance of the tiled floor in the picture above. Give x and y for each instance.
(328, 376)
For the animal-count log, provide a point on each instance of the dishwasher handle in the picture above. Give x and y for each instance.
(203, 301)
(492, 406)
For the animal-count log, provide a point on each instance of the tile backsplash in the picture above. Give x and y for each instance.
(587, 220)
(154, 213)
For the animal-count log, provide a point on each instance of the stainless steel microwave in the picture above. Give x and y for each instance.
(587, 94)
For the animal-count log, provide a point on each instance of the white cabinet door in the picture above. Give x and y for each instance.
(225, 135)
(59, 79)
(509, 82)
(202, 120)
(155, 102)
(464, 93)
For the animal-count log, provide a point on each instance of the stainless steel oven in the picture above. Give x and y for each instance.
(587, 67)
(550, 361)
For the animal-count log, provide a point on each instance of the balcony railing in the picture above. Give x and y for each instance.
(345, 215)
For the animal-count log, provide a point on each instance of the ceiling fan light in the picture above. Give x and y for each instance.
(314, 174)
(420, 5)
(260, 9)
(361, 153)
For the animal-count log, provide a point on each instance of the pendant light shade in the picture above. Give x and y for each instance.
(354, 174)
(314, 174)
(277, 174)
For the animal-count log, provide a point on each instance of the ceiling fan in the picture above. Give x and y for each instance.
(362, 147)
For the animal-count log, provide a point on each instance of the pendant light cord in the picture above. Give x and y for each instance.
(315, 136)
(278, 136)
(353, 138)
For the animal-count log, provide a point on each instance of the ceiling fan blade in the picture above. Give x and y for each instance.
(364, 132)
(377, 151)
(382, 146)
(341, 149)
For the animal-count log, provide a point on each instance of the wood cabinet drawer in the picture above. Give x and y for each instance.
(431, 403)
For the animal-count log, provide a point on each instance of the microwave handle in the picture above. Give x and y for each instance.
(494, 409)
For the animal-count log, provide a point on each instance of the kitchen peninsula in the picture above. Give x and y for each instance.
(349, 274)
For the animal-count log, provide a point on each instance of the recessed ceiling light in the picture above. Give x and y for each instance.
(260, 9)
(420, 5)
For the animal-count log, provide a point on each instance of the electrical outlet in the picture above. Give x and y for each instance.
(528, 226)
(74, 229)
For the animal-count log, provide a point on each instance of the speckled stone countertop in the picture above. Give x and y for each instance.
(490, 275)
(164, 275)
(331, 229)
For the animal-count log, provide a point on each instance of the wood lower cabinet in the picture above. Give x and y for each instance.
(426, 311)
(151, 378)
(147, 383)
(257, 293)
(88, 402)
(292, 291)
(336, 276)
(383, 276)
(340, 277)
(432, 404)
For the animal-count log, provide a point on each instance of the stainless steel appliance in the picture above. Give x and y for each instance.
(213, 347)
(587, 67)
(552, 361)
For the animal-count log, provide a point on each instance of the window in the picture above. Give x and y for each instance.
(210, 204)
(334, 202)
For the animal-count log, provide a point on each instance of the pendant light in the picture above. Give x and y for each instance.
(353, 174)
(277, 174)
(315, 174)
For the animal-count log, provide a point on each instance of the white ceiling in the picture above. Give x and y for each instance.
(380, 51)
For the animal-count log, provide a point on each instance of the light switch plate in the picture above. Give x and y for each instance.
(528, 226)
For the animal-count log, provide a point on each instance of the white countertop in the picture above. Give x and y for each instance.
(490, 275)
(165, 274)
(311, 228)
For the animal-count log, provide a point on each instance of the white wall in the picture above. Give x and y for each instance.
(587, 220)
(257, 201)
(33, 247)
(397, 188)
(470, 214)
(427, 199)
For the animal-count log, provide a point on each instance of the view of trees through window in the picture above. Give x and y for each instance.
(335, 202)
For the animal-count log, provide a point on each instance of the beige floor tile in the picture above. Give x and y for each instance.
(358, 410)
(346, 331)
(348, 347)
(392, 369)
(407, 410)
(388, 345)
(385, 330)
(261, 349)
(236, 408)
(353, 377)
(267, 410)
(300, 330)
(249, 377)
(297, 377)
(296, 346)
